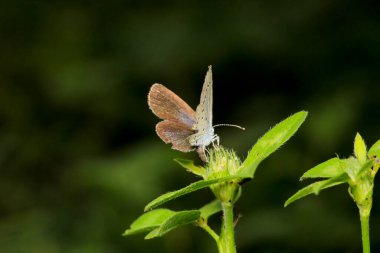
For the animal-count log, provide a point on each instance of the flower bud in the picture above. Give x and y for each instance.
(222, 163)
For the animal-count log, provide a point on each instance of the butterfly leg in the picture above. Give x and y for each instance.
(216, 138)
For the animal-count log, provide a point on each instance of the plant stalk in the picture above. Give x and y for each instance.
(364, 222)
(203, 224)
(228, 233)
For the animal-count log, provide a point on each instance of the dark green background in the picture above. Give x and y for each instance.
(79, 157)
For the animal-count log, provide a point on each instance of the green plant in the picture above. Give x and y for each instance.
(223, 174)
(358, 171)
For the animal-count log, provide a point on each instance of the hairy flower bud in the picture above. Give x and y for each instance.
(222, 163)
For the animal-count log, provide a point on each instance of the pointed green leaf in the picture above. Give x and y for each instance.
(360, 149)
(365, 168)
(270, 142)
(315, 188)
(351, 166)
(329, 168)
(374, 150)
(188, 189)
(190, 166)
(342, 178)
(176, 220)
(310, 189)
(149, 221)
(210, 209)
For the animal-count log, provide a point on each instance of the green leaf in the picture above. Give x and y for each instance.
(374, 150)
(149, 221)
(190, 166)
(316, 187)
(342, 178)
(176, 220)
(351, 166)
(188, 189)
(210, 209)
(365, 168)
(270, 142)
(360, 149)
(329, 168)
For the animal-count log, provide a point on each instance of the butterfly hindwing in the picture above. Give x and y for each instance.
(175, 133)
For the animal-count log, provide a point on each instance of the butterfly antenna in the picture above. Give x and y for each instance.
(231, 125)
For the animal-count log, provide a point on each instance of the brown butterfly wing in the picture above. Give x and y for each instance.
(168, 106)
(175, 133)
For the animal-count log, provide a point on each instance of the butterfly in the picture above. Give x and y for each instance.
(181, 126)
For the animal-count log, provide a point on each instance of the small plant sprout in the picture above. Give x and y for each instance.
(224, 174)
(358, 171)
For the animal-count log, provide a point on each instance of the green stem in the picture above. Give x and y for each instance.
(210, 232)
(228, 233)
(364, 222)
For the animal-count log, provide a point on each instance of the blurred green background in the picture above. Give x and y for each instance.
(79, 157)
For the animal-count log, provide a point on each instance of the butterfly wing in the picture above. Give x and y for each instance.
(175, 133)
(203, 115)
(178, 117)
(165, 104)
